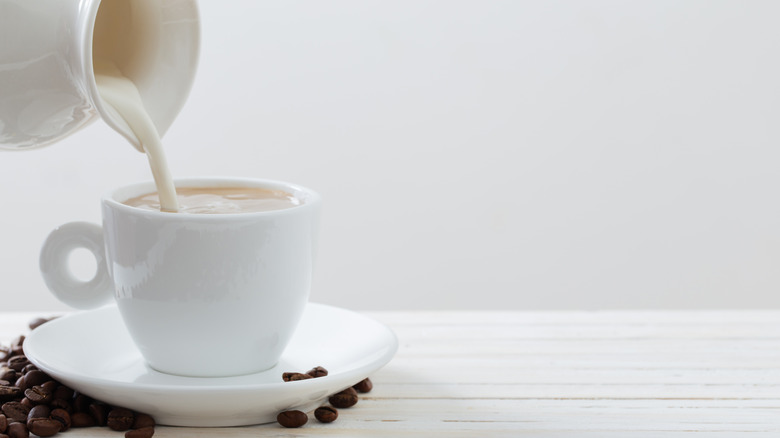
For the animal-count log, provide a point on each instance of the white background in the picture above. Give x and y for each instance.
(472, 154)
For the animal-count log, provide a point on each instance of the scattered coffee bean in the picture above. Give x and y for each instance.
(39, 395)
(18, 430)
(31, 401)
(63, 393)
(82, 419)
(15, 411)
(317, 372)
(81, 403)
(99, 412)
(40, 411)
(50, 386)
(364, 385)
(63, 417)
(120, 419)
(144, 432)
(16, 363)
(142, 421)
(291, 377)
(9, 393)
(35, 378)
(344, 399)
(292, 419)
(44, 427)
(16, 346)
(326, 414)
(37, 322)
(60, 403)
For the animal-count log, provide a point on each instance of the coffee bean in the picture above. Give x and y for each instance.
(99, 412)
(344, 399)
(63, 392)
(120, 419)
(142, 421)
(292, 418)
(37, 322)
(17, 363)
(31, 401)
(144, 432)
(50, 386)
(364, 385)
(40, 411)
(326, 414)
(17, 346)
(8, 374)
(44, 427)
(299, 376)
(291, 377)
(82, 419)
(18, 430)
(39, 394)
(63, 417)
(15, 411)
(317, 372)
(59, 403)
(8, 393)
(81, 403)
(35, 378)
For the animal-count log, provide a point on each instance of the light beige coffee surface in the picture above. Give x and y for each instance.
(220, 200)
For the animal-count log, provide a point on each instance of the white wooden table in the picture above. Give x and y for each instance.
(555, 374)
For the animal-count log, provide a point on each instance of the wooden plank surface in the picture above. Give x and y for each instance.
(555, 374)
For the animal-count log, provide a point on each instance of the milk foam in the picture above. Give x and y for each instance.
(221, 200)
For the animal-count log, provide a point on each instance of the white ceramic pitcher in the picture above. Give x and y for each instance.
(47, 83)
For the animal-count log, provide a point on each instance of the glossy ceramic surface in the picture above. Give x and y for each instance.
(47, 86)
(186, 284)
(92, 352)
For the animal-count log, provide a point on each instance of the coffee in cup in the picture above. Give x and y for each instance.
(220, 200)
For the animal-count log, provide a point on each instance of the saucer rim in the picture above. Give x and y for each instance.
(390, 349)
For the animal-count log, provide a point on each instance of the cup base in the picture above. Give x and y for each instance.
(194, 373)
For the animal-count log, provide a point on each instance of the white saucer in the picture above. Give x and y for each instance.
(92, 352)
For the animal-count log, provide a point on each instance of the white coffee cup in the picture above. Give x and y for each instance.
(200, 294)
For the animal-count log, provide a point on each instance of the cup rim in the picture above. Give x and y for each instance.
(114, 198)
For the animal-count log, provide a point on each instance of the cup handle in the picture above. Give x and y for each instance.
(57, 274)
